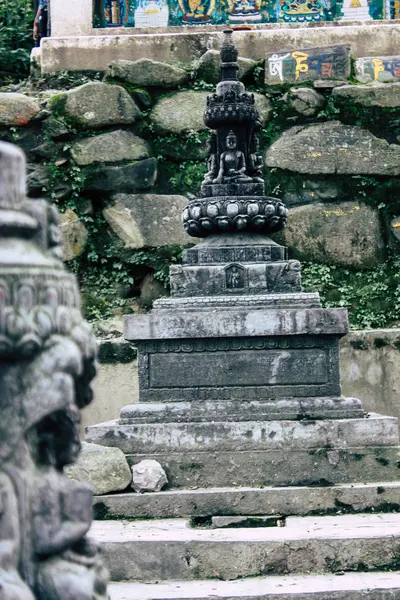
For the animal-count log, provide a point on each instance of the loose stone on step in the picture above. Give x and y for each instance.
(148, 476)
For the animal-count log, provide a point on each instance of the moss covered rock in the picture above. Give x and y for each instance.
(147, 73)
(333, 148)
(96, 105)
(382, 95)
(114, 146)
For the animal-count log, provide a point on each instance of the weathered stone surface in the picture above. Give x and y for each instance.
(179, 113)
(109, 147)
(209, 66)
(184, 111)
(350, 586)
(333, 148)
(147, 219)
(95, 105)
(171, 550)
(347, 234)
(148, 73)
(17, 109)
(105, 469)
(383, 95)
(151, 290)
(148, 476)
(377, 68)
(47, 363)
(231, 436)
(127, 178)
(55, 129)
(74, 235)
(38, 180)
(269, 500)
(305, 101)
(309, 191)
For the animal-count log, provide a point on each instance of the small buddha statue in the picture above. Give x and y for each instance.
(255, 161)
(232, 165)
(212, 159)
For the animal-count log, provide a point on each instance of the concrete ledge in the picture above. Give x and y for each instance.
(95, 52)
(286, 501)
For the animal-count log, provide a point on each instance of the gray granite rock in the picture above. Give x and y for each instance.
(333, 148)
(128, 178)
(55, 129)
(208, 67)
(95, 105)
(148, 476)
(147, 219)
(383, 95)
(17, 109)
(109, 147)
(180, 112)
(74, 235)
(105, 469)
(305, 101)
(147, 73)
(151, 289)
(347, 234)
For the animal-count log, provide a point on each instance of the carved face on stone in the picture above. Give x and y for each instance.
(231, 141)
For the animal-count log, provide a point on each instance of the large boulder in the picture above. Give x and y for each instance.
(383, 95)
(147, 73)
(128, 178)
(147, 219)
(333, 148)
(17, 109)
(184, 111)
(208, 67)
(95, 105)
(346, 233)
(74, 235)
(105, 469)
(109, 147)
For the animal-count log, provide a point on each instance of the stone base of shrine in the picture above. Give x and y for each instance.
(96, 50)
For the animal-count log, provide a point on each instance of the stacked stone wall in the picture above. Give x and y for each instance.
(120, 154)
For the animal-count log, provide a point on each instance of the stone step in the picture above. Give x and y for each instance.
(316, 466)
(287, 501)
(168, 549)
(349, 586)
(376, 430)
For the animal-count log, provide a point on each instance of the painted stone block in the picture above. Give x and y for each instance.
(377, 68)
(310, 64)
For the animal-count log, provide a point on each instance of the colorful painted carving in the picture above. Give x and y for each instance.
(329, 62)
(163, 13)
(377, 68)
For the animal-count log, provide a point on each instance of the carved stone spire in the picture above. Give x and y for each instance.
(233, 191)
(47, 355)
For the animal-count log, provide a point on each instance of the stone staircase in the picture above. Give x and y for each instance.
(338, 555)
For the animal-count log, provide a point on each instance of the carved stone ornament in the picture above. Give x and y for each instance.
(47, 362)
(233, 192)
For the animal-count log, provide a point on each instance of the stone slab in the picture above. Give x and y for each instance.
(256, 468)
(170, 549)
(235, 278)
(309, 64)
(242, 368)
(97, 48)
(284, 409)
(377, 68)
(249, 435)
(287, 300)
(286, 501)
(236, 323)
(350, 586)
